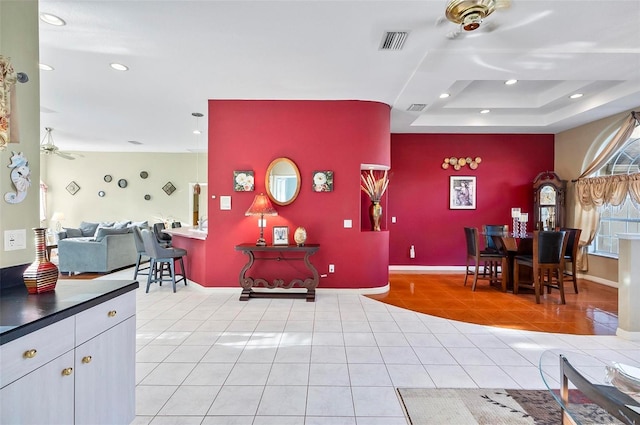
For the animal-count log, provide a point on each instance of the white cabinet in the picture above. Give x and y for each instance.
(79, 370)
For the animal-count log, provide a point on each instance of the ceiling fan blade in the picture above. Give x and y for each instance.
(64, 155)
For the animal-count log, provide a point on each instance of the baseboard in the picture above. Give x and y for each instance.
(631, 336)
(599, 280)
(238, 289)
(423, 269)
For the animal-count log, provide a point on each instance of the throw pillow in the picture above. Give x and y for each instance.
(102, 226)
(73, 233)
(140, 224)
(88, 228)
(104, 231)
(121, 224)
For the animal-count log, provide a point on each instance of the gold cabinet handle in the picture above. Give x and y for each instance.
(29, 354)
(68, 371)
(86, 359)
(112, 313)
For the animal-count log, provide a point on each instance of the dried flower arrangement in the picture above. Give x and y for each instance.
(374, 186)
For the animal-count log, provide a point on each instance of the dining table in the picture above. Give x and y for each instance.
(512, 246)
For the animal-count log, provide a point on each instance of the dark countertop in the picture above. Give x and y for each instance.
(22, 313)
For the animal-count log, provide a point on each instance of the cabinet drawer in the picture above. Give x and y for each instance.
(98, 319)
(44, 344)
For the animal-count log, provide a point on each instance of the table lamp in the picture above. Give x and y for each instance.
(58, 217)
(261, 206)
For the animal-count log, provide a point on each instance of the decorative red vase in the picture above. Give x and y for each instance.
(42, 275)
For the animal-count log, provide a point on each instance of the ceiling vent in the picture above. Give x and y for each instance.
(394, 40)
(417, 107)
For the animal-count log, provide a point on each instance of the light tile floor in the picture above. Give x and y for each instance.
(204, 357)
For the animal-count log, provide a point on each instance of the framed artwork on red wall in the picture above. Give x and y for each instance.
(462, 192)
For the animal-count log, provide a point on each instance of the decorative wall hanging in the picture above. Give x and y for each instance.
(122, 183)
(323, 181)
(462, 193)
(458, 163)
(243, 181)
(144, 174)
(73, 188)
(101, 194)
(147, 197)
(108, 178)
(169, 188)
(20, 177)
(8, 127)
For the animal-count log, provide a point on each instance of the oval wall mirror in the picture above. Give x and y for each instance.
(282, 181)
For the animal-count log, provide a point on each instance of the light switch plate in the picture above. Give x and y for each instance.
(393, 219)
(15, 239)
(348, 224)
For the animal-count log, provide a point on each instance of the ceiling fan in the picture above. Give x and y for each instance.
(470, 14)
(49, 148)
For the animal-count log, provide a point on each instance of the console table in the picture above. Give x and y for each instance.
(278, 253)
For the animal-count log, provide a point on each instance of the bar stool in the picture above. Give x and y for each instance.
(161, 258)
(137, 237)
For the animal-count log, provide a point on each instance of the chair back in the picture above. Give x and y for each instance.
(490, 230)
(176, 224)
(137, 237)
(573, 239)
(151, 245)
(160, 235)
(549, 247)
(471, 235)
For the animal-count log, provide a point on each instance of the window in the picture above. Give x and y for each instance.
(626, 217)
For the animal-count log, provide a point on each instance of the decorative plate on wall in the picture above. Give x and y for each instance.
(169, 188)
(101, 194)
(108, 178)
(147, 197)
(122, 183)
(144, 174)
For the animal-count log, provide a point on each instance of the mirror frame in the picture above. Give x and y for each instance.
(268, 185)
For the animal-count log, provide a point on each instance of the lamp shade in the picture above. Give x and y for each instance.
(57, 216)
(261, 206)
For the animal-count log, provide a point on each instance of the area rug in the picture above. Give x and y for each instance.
(442, 406)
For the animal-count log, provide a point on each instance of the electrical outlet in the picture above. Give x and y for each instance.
(15, 239)
(332, 268)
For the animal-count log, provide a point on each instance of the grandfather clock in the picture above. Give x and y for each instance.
(548, 201)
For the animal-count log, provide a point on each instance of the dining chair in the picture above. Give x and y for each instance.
(163, 261)
(137, 237)
(493, 241)
(547, 262)
(572, 253)
(480, 258)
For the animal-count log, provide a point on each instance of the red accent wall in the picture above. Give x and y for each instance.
(316, 135)
(419, 190)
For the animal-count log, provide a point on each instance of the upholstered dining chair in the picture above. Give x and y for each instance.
(547, 262)
(479, 258)
(137, 237)
(572, 253)
(164, 239)
(493, 242)
(163, 261)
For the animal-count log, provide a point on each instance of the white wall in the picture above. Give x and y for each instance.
(128, 203)
(19, 41)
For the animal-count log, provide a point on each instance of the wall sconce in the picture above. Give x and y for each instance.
(458, 163)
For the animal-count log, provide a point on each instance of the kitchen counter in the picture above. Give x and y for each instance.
(22, 313)
(187, 232)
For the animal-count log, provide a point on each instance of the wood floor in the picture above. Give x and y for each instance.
(593, 311)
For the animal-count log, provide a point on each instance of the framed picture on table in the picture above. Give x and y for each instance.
(281, 235)
(462, 192)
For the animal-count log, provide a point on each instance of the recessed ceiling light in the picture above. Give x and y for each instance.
(444, 95)
(45, 67)
(576, 95)
(510, 82)
(119, 67)
(485, 111)
(52, 19)
(197, 132)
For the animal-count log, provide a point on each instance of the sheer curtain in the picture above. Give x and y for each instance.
(592, 193)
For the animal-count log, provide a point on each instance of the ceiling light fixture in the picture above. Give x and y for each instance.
(119, 66)
(510, 82)
(45, 67)
(52, 19)
(485, 111)
(576, 96)
(444, 95)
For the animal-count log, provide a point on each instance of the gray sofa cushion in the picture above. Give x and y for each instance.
(87, 228)
(121, 224)
(73, 233)
(104, 231)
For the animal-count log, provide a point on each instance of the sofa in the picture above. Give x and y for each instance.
(97, 247)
